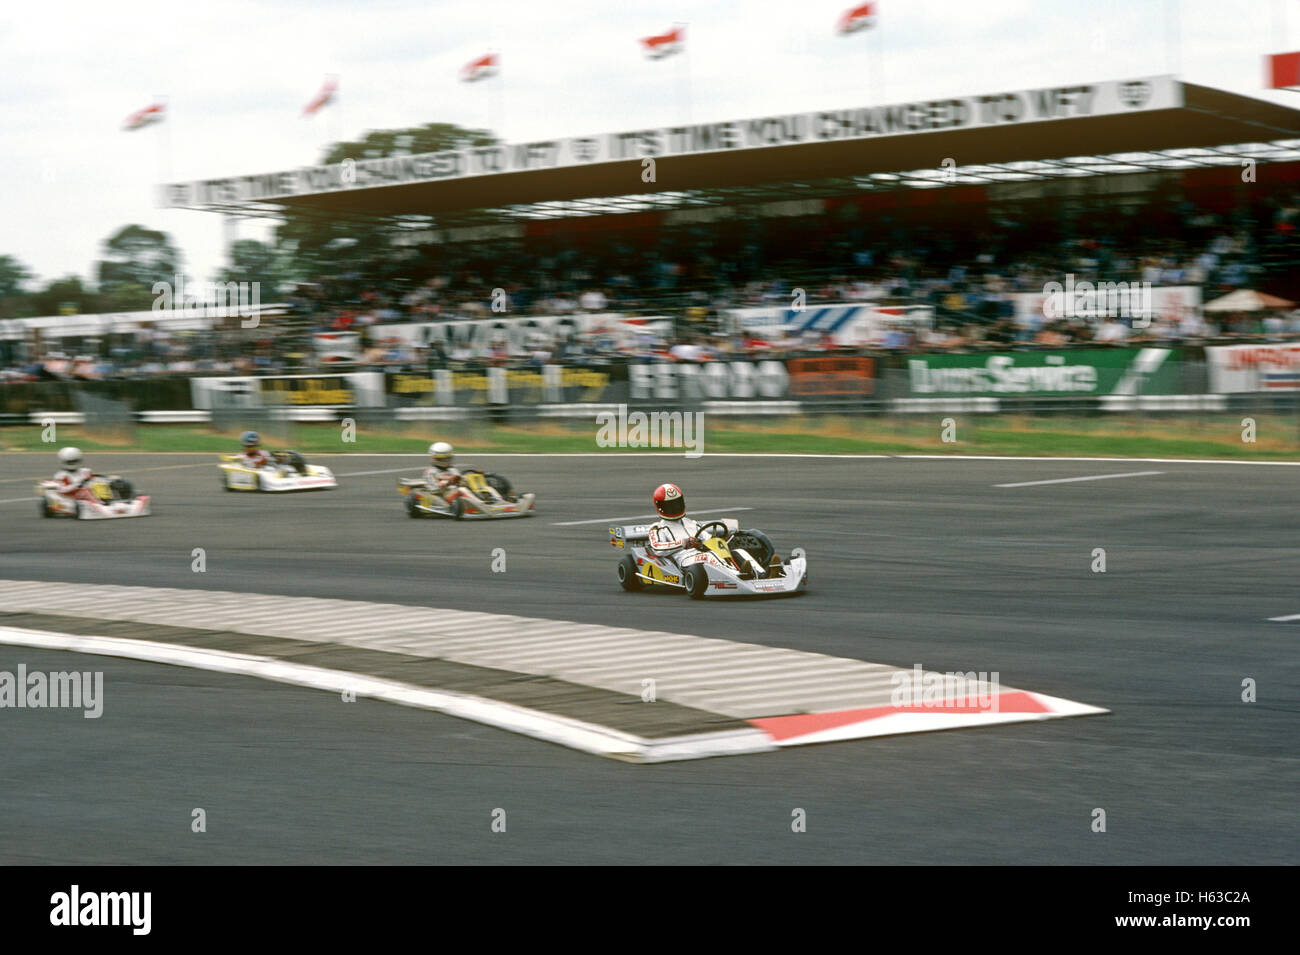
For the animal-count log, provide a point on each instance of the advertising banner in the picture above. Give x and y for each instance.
(360, 389)
(806, 379)
(1014, 108)
(473, 338)
(1238, 368)
(1069, 373)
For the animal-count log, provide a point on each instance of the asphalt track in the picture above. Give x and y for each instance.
(911, 561)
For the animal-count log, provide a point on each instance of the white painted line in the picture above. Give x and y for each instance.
(19, 500)
(1289, 617)
(1092, 477)
(385, 471)
(1042, 457)
(648, 517)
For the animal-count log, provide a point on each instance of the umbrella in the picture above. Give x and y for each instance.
(1245, 300)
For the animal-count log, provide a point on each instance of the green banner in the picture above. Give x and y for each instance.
(1074, 373)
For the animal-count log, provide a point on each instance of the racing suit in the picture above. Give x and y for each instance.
(70, 482)
(256, 458)
(442, 481)
(667, 537)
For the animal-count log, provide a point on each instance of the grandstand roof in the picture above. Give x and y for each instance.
(1086, 130)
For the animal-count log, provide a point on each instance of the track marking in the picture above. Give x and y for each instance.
(19, 500)
(411, 467)
(159, 467)
(785, 696)
(1092, 477)
(646, 517)
(1286, 619)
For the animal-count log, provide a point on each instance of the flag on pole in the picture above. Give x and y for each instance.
(321, 99)
(1283, 70)
(141, 118)
(485, 66)
(665, 44)
(859, 18)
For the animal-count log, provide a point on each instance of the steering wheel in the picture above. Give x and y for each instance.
(708, 525)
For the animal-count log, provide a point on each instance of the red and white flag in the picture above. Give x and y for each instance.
(485, 66)
(141, 118)
(322, 99)
(859, 18)
(665, 44)
(1283, 70)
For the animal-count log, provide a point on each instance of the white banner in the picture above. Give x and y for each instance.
(846, 324)
(522, 335)
(964, 112)
(1237, 368)
(1176, 304)
(363, 389)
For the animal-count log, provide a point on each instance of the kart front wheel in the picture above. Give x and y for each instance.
(627, 573)
(411, 509)
(697, 581)
(45, 507)
(458, 508)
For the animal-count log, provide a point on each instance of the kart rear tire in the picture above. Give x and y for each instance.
(627, 577)
(499, 484)
(697, 582)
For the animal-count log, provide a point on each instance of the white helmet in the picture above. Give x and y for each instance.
(441, 453)
(70, 457)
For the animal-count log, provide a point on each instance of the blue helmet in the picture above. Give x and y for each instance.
(250, 439)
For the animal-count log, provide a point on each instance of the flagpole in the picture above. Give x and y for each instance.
(879, 63)
(164, 143)
(331, 125)
(1172, 43)
(499, 100)
(684, 75)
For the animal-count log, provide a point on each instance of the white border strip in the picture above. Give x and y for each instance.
(650, 517)
(1090, 477)
(575, 734)
(613, 455)
(898, 724)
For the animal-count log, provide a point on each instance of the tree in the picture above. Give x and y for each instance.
(138, 256)
(13, 276)
(363, 248)
(254, 261)
(65, 295)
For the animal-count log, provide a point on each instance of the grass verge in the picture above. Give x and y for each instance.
(1276, 438)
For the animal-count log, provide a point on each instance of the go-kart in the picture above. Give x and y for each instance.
(287, 472)
(479, 495)
(729, 562)
(103, 497)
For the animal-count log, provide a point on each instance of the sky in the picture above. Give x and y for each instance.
(236, 75)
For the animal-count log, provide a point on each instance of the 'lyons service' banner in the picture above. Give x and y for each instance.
(1079, 373)
(1237, 368)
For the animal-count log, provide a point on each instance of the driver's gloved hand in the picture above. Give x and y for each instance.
(694, 543)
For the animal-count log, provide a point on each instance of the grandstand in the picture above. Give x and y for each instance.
(806, 191)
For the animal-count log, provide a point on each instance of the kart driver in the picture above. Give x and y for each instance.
(440, 477)
(72, 479)
(676, 530)
(253, 456)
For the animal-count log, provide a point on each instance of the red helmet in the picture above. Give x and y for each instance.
(669, 501)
